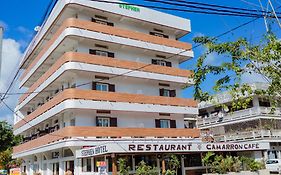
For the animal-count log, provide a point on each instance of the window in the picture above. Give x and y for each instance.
(72, 122)
(164, 123)
(102, 53)
(159, 33)
(86, 165)
(101, 87)
(103, 121)
(102, 20)
(161, 62)
(167, 93)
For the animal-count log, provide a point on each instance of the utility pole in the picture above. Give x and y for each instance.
(1, 47)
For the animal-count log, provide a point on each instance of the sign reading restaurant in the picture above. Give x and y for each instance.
(172, 147)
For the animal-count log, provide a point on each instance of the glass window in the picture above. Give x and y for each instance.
(192, 160)
(102, 87)
(72, 122)
(103, 122)
(164, 123)
(86, 165)
(166, 93)
(102, 53)
(161, 62)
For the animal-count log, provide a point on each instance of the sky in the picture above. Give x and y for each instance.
(19, 18)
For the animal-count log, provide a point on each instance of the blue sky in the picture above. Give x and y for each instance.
(21, 17)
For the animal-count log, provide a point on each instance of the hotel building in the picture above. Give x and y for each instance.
(103, 75)
(255, 123)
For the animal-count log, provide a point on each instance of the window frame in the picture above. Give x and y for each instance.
(102, 85)
(103, 118)
(164, 120)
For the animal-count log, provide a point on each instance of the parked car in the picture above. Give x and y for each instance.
(274, 165)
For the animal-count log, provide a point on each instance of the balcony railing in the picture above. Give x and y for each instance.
(249, 135)
(106, 96)
(237, 115)
(99, 60)
(72, 22)
(97, 133)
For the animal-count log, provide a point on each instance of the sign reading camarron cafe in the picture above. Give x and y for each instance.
(172, 147)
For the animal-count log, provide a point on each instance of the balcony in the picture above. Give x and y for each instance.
(249, 135)
(102, 96)
(99, 132)
(105, 61)
(236, 116)
(113, 31)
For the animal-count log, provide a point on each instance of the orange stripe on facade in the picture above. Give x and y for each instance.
(105, 96)
(105, 61)
(91, 26)
(80, 131)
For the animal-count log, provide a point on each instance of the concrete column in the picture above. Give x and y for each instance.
(134, 163)
(265, 155)
(40, 162)
(182, 166)
(158, 166)
(61, 168)
(77, 166)
(255, 101)
(279, 154)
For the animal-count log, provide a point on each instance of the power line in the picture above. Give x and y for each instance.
(182, 10)
(186, 50)
(3, 96)
(233, 29)
(219, 6)
(28, 122)
(206, 8)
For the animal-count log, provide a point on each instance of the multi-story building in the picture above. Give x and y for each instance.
(255, 123)
(105, 74)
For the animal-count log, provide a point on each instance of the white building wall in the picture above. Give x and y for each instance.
(126, 54)
(126, 119)
(128, 85)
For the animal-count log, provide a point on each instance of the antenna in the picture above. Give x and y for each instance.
(1, 45)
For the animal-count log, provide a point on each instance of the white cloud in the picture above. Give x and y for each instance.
(11, 55)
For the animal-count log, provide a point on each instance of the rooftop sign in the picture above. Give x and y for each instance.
(129, 7)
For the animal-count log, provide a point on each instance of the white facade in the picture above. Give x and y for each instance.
(132, 93)
(255, 123)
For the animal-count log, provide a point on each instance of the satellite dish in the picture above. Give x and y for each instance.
(37, 28)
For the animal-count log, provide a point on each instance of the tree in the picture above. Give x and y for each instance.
(207, 159)
(6, 160)
(122, 166)
(173, 165)
(144, 169)
(240, 58)
(7, 141)
(7, 138)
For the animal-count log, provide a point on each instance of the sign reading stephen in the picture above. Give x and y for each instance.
(94, 151)
(129, 7)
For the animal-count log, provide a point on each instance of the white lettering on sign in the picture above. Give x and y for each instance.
(233, 146)
(94, 151)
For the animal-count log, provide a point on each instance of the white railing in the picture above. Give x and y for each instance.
(249, 135)
(237, 115)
